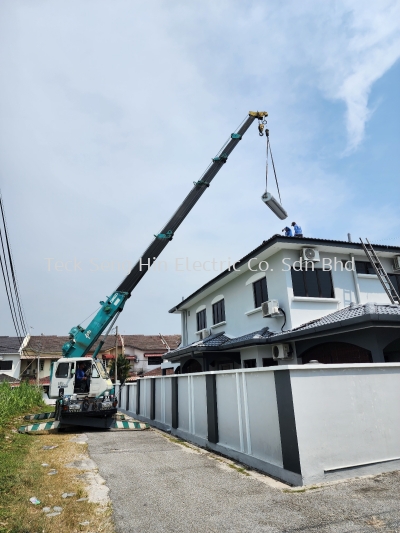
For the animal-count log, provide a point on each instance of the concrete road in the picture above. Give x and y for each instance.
(157, 485)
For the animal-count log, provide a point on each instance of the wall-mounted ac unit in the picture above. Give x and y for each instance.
(396, 262)
(270, 308)
(310, 254)
(281, 351)
(204, 333)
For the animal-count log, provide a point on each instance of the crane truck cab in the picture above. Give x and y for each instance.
(84, 392)
(66, 378)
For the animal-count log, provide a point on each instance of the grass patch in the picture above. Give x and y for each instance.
(22, 476)
(18, 400)
(238, 469)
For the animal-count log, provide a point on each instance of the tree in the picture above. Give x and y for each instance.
(123, 368)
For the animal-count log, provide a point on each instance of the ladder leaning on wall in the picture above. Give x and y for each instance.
(381, 272)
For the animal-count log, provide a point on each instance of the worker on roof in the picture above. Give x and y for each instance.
(298, 232)
(288, 232)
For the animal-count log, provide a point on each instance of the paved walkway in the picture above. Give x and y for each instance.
(159, 486)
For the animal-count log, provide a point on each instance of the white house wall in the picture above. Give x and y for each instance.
(239, 302)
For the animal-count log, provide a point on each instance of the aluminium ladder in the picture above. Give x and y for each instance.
(381, 272)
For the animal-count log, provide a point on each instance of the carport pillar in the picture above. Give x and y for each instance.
(174, 402)
(212, 412)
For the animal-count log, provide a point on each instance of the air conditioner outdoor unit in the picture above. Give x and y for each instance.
(204, 333)
(396, 262)
(270, 309)
(281, 351)
(310, 254)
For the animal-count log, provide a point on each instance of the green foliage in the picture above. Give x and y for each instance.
(17, 400)
(123, 368)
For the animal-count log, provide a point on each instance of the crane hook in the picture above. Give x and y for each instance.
(260, 129)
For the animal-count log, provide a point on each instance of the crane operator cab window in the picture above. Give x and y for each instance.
(82, 377)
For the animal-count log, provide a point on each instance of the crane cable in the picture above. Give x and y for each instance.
(269, 150)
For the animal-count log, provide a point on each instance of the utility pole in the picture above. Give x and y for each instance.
(38, 365)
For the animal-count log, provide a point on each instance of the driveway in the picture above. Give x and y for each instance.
(158, 485)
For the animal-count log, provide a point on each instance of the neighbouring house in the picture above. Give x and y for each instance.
(325, 303)
(143, 351)
(10, 357)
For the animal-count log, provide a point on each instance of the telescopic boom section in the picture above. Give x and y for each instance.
(82, 339)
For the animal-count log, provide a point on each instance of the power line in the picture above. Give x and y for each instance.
(10, 279)
(14, 277)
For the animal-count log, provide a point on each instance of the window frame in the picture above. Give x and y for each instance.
(218, 311)
(306, 288)
(6, 361)
(366, 268)
(201, 314)
(256, 284)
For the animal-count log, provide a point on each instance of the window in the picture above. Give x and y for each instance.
(260, 292)
(41, 366)
(218, 312)
(249, 363)
(201, 320)
(312, 283)
(395, 279)
(95, 372)
(155, 360)
(62, 370)
(268, 361)
(364, 267)
(5, 365)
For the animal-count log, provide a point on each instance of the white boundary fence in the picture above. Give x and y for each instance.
(301, 424)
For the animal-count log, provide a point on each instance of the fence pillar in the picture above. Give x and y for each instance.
(138, 397)
(174, 402)
(212, 413)
(152, 399)
(287, 422)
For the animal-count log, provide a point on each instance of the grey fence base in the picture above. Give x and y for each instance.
(275, 471)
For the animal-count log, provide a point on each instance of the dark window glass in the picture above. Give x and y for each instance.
(260, 292)
(5, 365)
(62, 370)
(267, 361)
(395, 279)
(155, 361)
(364, 267)
(201, 320)
(325, 283)
(218, 312)
(299, 288)
(312, 283)
(250, 363)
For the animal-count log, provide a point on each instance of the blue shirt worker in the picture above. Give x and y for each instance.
(288, 232)
(80, 375)
(298, 232)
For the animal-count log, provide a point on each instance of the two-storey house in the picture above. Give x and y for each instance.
(325, 303)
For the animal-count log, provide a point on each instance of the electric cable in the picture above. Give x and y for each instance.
(13, 274)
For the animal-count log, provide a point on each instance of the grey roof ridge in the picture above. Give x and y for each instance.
(280, 238)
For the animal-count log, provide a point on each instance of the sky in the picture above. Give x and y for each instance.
(112, 108)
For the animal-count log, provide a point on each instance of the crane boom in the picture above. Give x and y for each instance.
(82, 339)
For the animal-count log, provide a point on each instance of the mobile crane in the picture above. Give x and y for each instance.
(91, 401)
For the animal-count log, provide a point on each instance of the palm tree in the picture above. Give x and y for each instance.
(123, 368)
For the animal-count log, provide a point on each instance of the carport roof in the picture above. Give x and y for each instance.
(352, 317)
